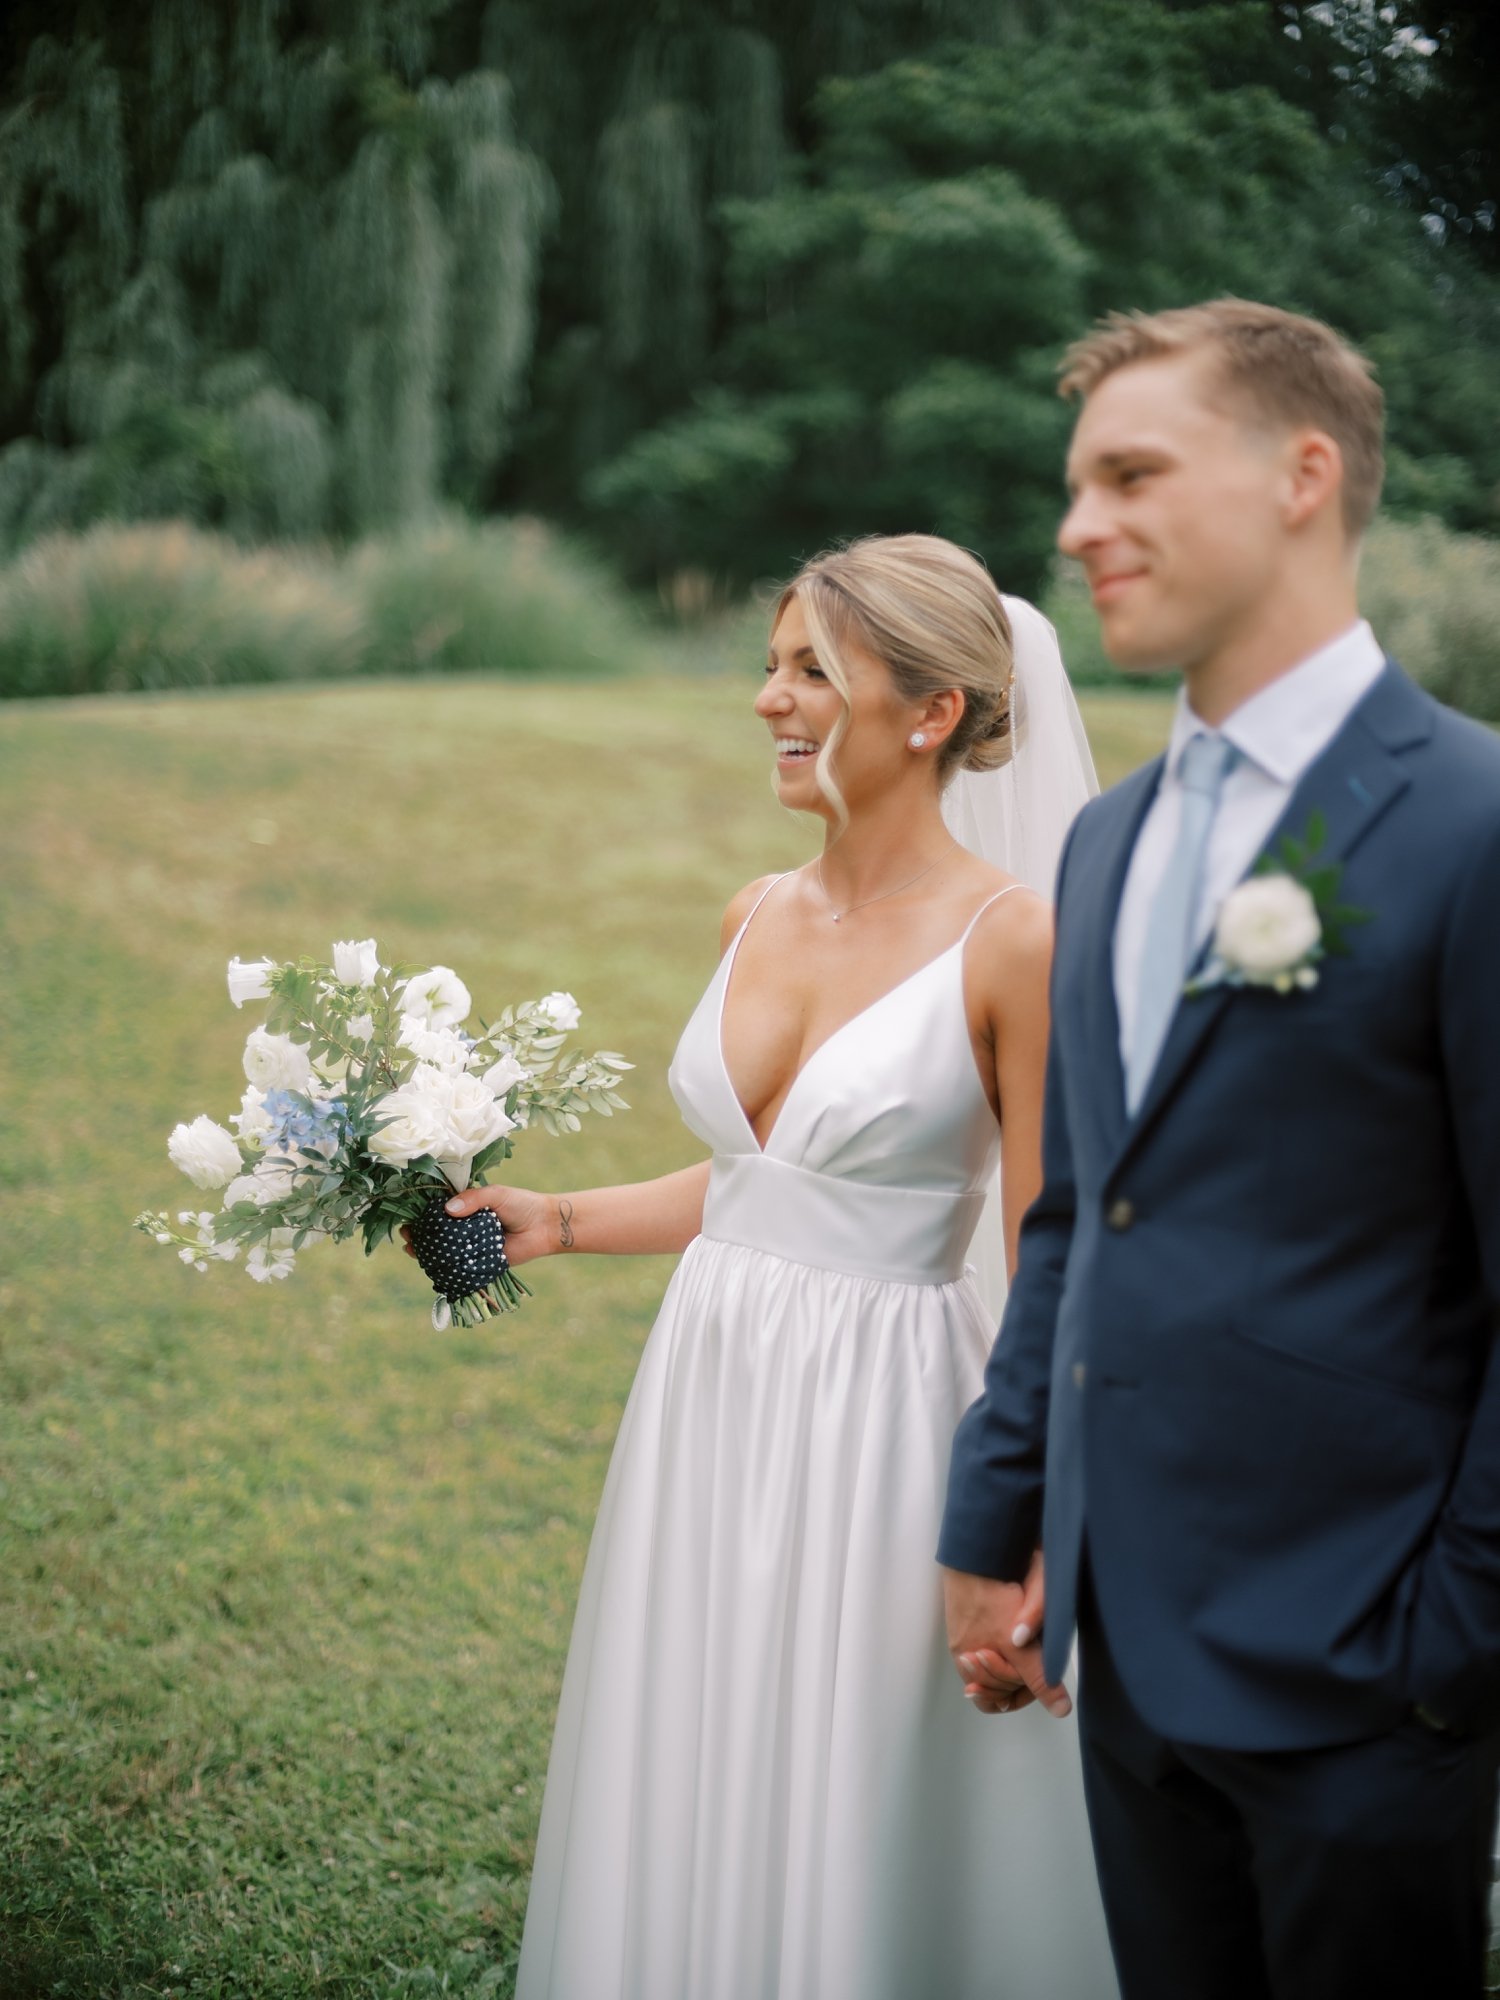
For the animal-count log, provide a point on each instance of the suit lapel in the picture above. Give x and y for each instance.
(1350, 785)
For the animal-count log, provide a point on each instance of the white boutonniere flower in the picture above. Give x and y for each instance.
(1269, 934)
(1276, 927)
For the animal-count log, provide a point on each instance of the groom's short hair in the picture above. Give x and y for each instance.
(1278, 367)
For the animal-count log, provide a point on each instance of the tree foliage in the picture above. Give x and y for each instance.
(898, 315)
(721, 278)
(278, 280)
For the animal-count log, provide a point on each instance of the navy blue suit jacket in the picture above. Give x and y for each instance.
(1250, 1353)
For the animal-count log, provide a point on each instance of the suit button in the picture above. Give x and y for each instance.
(1080, 1374)
(1120, 1214)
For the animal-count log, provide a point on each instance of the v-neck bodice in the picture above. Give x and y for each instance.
(884, 1145)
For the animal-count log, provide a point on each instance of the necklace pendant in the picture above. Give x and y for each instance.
(838, 916)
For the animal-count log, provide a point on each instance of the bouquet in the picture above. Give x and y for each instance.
(368, 1104)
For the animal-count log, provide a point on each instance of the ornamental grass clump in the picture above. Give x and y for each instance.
(490, 597)
(1433, 598)
(118, 610)
(369, 1102)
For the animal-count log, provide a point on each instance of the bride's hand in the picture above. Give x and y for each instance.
(531, 1221)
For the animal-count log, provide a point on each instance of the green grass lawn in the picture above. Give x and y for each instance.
(285, 1578)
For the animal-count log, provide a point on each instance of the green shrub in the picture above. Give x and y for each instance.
(1433, 598)
(1067, 603)
(490, 597)
(118, 609)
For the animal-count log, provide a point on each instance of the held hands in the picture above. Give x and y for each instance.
(534, 1224)
(994, 1635)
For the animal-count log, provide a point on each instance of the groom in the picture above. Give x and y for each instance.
(1246, 1395)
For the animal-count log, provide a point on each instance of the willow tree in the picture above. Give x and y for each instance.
(290, 282)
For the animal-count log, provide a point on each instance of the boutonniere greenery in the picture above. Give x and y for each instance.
(1275, 928)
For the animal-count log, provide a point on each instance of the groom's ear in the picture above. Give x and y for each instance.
(1312, 479)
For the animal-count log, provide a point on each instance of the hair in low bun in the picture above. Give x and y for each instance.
(931, 612)
(990, 748)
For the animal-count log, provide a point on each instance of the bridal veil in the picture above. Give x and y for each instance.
(1017, 818)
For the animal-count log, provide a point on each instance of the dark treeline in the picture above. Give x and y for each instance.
(718, 282)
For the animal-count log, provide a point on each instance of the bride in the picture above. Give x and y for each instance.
(763, 1784)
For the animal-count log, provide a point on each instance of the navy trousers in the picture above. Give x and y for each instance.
(1350, 1872)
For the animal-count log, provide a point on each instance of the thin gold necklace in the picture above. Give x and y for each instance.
(849, 908)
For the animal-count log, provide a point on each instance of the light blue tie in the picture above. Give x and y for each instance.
(1169, 933)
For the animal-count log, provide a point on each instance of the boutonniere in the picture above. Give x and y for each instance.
(1279, 923)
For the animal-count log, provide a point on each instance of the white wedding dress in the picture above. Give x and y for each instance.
(765, 1782)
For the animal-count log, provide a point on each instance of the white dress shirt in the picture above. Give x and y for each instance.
(1278, 733)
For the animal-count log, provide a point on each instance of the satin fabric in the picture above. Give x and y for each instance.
(765, 1783)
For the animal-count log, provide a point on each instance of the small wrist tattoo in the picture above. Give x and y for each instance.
(565, 1224)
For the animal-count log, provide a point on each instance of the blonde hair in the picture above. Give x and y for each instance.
(931, 613)
(1282, 367)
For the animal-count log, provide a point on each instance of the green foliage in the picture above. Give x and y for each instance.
(1434, 600)
(966, 213)
(120, 609)
(720, 289)
(210, 190)
(898, 303)
(509, 599)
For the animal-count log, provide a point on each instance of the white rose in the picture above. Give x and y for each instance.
(356, 964)
(205, 1152)
(250, 980)
(468, 1114)
(1266, 928)
(362, 1028)
(276, 1062)
(414, 1124)
(561, 1009)
(505, 1074)
(442, 1047)
(475, 1118)
(437, 996)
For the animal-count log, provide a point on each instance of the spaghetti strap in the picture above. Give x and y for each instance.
(749, 914)
(999, 896)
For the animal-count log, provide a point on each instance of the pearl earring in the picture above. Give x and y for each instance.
(917, 739)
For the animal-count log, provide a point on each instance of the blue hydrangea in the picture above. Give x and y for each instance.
(304, 1125)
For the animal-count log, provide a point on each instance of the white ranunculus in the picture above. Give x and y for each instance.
(356, 964)
(413, 1123)
(444, 1048)
(250, 979)
(437, 996)
(505, 1074)
(1266, 928)
(561, 1009)
(276, 1062)
(475, 1118)
(205, 1152)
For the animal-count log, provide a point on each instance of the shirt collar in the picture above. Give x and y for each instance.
(1283, 728)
